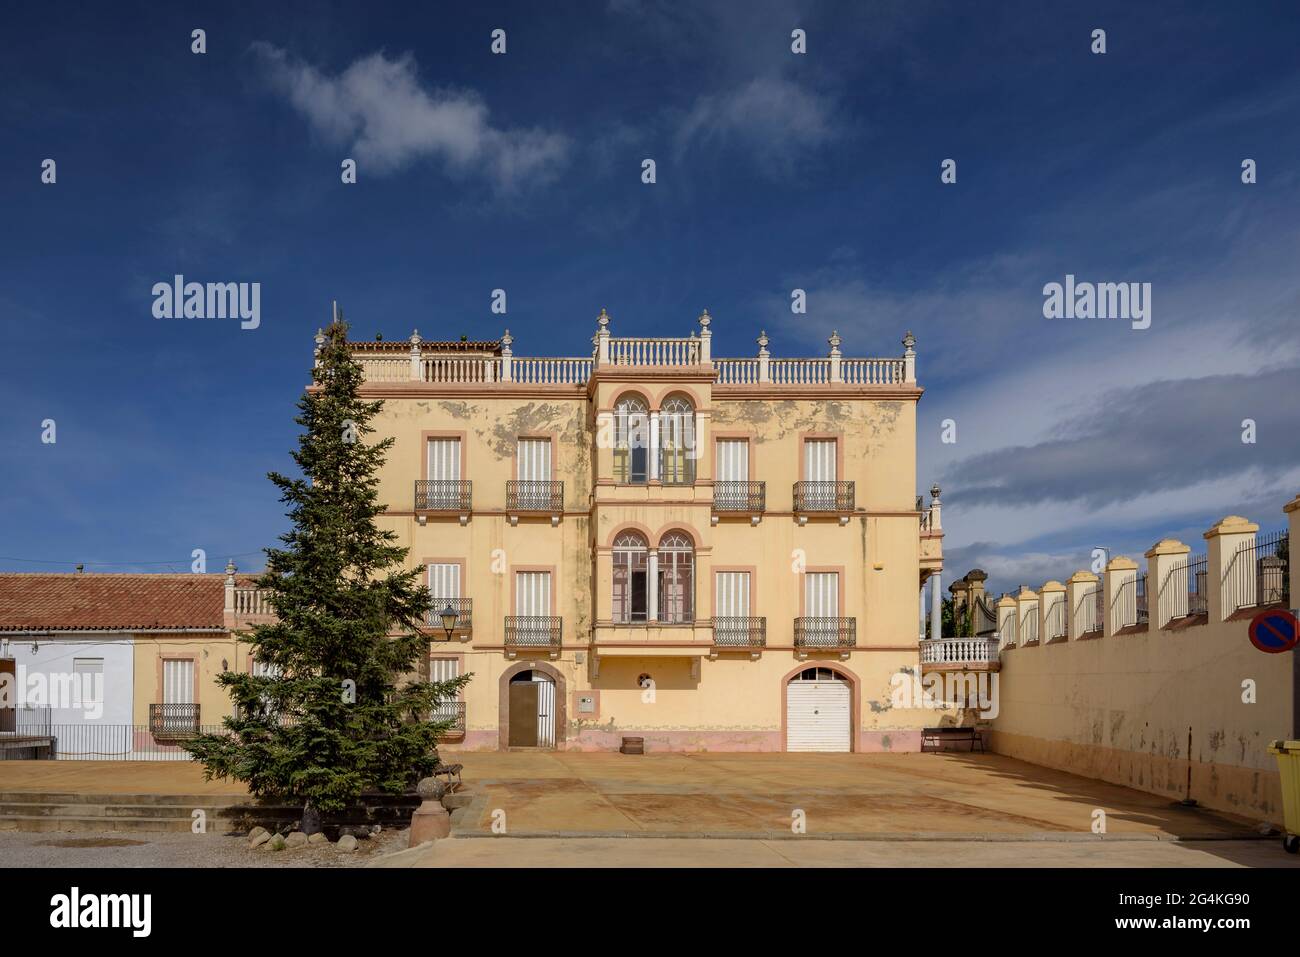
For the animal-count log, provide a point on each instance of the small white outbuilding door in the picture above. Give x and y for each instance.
(819, 712)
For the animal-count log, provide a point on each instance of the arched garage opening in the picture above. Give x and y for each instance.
(819, 709)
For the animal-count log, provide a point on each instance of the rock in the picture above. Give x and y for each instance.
(257, 832)
(259, 840)
(296, 839)
(318, 838)
(347, 843)
(276, 843)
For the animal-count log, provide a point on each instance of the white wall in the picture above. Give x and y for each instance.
(54, 659)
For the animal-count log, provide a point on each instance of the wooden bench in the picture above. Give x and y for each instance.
(449, 771)
(937, 737)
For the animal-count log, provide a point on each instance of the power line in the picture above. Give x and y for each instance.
(170, 561)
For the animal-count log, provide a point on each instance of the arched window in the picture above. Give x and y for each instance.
(630, 576)
(677, 441)
(676, 579)
(818, 674)
(631, 439)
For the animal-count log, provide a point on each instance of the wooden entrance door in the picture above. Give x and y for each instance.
(8, 688)
(523, 714)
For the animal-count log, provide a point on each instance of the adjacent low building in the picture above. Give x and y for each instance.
(111, 665)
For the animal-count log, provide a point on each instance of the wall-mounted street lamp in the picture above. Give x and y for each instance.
(448, 616)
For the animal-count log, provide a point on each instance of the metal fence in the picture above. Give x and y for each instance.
(1257, 574)
(1092, 609)
(100, 742)
(1056, 619)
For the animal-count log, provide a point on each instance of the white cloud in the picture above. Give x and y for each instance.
(775, 118)
(378, 107)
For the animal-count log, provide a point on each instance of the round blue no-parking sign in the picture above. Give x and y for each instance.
(1274, 631)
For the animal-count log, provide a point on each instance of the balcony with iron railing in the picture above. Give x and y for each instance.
(824, 497)
(825, 633)
(534, 496)
(453, 711)
(748, 498)
(533, 633)
(740, 634)
(173, 720)
(462, 608)
(443, 495)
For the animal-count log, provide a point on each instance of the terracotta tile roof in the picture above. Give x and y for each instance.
(91, 602)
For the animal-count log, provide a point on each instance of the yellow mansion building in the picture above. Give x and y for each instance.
(708, 554)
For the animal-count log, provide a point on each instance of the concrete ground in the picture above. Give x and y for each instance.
(711, 852)
(577, 794)
(112, 777)
(561, 809)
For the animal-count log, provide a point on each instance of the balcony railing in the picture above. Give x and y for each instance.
(823, 633)
(463, 607)
(534, 496)
(453, 711)
(442, 495)
(173, 720)
(823, 497)
(732, 496)
(743, 633)
(676, 466)
(959, 651)
(533, 633)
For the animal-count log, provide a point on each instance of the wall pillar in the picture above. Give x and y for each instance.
(1078, 590)
(1006, 622)
(653, 471)
(1292, 511)
(1027, 605)
(1222, 541)
(652, 586)
(507, 357)
(936, 608)
(1166, 582)
(909, 359)
(764, 358)
(1119, 571)
(1049, 595)
(417, 372)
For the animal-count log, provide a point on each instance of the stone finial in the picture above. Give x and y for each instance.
(507, 340)
(230, 567)
(934, 491)
(909, 345)
(320, 339)
(835, 341)
(705, 319)
(603, 319)
(762, 344)
(415, 338)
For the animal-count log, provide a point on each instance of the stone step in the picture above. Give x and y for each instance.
(161, 811)
(71, 797)
(88, 823)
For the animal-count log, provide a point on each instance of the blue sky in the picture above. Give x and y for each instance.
(775, 171)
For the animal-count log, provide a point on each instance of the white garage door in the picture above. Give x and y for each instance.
(818, 712)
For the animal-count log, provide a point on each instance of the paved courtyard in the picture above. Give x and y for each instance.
(607, 809)
(860, 795)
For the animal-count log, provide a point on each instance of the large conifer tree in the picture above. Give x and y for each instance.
(339, 710)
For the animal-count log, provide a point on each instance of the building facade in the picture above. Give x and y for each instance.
(709, 554)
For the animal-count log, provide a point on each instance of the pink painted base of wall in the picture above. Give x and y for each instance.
(1249, 792)
(600, 739)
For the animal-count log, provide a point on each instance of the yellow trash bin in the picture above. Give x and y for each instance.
(1288, 765)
